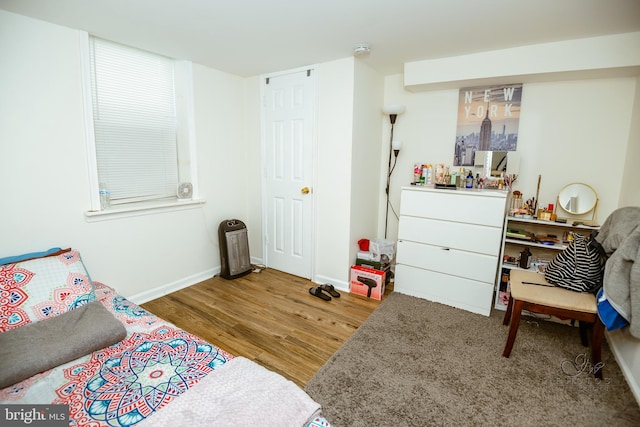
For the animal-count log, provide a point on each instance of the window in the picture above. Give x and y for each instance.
(140, 145)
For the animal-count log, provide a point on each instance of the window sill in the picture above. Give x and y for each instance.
(116, 212)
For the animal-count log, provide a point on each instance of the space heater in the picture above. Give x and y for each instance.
(234, 249)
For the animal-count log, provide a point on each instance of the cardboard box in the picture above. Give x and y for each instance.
(367, 281)
(386, 267)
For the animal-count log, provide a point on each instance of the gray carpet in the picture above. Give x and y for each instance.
(415, 363)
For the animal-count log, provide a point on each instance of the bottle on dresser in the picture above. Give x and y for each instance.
(469, 180)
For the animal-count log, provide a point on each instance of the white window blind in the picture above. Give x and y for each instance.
(134, 114)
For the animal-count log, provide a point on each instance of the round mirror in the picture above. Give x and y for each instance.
(577, 198)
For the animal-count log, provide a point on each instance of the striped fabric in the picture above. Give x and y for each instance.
(579, 267)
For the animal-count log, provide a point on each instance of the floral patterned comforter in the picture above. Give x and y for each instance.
(129, 381)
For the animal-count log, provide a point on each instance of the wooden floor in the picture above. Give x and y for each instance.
(268, 317)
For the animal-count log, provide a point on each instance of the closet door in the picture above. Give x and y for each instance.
(289, 111)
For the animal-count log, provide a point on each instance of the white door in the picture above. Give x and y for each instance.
(288, 114)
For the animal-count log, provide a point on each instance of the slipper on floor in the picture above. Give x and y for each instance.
(330, 289)
(316, 291)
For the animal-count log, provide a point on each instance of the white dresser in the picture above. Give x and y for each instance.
(449, 244)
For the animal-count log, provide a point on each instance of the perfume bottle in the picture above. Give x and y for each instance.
(469, 181)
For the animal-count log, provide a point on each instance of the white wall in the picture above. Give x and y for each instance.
(425, 129)
(222, 133)
(575, 131)
(366, 189)
(347, 164)
(626, 347)
(333, 194)
(594, 57)
(629, 194)
(44, 173)
(252, 167)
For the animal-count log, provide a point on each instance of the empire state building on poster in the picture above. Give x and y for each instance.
(488, 119)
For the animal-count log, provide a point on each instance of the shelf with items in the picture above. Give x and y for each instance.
(537, 264)
(573, 224)
(544, 239)
(557, 247)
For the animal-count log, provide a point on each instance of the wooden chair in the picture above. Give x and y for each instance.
(555, 301)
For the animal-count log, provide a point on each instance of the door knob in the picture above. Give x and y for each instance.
(305, 190)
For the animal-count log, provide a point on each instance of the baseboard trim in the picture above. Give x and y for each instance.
(163, 290)
(616, 343)
(338, 284)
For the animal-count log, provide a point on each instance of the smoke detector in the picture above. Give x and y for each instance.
(361, 49)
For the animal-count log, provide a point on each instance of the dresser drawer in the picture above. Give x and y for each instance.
(457, 206)
(448, 261)
(470, 295)
(454, 235)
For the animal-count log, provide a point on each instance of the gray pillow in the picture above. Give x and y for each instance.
(43, 345)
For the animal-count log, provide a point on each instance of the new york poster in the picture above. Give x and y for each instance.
(488, 119)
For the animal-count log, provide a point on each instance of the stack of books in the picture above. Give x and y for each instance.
(519, 234)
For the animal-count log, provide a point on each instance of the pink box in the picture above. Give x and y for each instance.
(367, 281)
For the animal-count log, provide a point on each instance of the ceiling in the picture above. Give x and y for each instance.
(253, 37)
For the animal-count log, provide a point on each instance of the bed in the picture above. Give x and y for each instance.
(116, 364)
